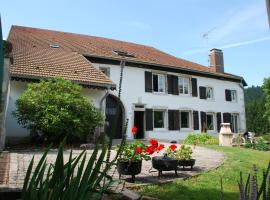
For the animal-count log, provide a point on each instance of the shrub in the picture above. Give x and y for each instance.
(57, 109)
(200, 138)
(259, 144)
(266, 136)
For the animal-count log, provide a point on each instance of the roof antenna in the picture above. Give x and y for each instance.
(205, 37)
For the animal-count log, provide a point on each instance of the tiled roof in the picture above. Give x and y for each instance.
(33, 55)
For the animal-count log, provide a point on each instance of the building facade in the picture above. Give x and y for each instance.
(163, 96)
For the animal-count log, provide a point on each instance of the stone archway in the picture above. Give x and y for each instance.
(110, 113)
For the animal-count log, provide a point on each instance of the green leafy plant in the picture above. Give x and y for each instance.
(258, 144)
(56, 109)
(135, 151)
(200, 138)
(183, 153)
(266, 137)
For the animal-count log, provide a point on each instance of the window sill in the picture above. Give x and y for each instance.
(186, 129)
(160, 129)
(159, 93)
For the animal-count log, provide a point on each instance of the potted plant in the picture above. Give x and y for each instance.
(130, 160)
(184, 156)
(167, 162)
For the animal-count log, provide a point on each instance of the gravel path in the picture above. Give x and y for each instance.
(206, 159)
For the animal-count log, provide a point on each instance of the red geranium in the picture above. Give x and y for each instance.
(150, 150)
(173, 147)
(138, 150)
(134, 130)
(154, 143)
(160, 147)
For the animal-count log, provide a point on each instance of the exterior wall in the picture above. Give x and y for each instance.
(13, 129)
(133, 91)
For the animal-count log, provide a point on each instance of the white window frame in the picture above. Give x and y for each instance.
(164, 119)
(183, 83)
(164, 85)
(214, 122)
(235, 99)
(207, 88)
(190, 120)
(238, 121)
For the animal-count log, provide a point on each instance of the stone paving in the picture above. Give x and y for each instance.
(206, 159)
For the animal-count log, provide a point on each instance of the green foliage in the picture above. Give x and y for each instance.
(255, 109)
(266, 136)
(135, 151)
(183, 153)
(266, 90)
(76, 179)
(200, 138)
(250, 189)
(57, 109)
(259, 144)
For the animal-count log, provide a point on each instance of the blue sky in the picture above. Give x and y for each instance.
(186, 28)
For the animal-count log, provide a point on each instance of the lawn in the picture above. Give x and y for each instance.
(207, 185)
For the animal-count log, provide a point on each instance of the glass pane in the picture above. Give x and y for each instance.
(186, 82)
(209, 93)
(210, 122)
(181, 86)
(233, 95)
(184, 119)
(155, 83)
(161, 83)
(158, 119)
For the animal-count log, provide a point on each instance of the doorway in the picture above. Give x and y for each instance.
(139, 123)
(112, 115)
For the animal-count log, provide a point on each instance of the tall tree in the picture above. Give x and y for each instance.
(266, 90)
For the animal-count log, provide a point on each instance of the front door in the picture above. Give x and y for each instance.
(139, 123)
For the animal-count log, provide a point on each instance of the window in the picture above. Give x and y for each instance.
(235, 123)
(234, 96)
(183, 85)
(209, 93)
(158, 83)
(105, 70)
(210, 121)
(159, 121)
(185, 119)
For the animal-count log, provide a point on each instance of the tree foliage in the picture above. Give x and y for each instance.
(255, 108)
(266, 90)
(57, 109)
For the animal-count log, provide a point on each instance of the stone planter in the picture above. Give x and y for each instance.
(164, 164)
(129, 168)
(186, 163)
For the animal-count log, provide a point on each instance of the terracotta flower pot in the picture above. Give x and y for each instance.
(129, 168)
(187, 163)
(164, 164)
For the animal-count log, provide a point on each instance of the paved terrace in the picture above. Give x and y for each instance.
(17, 162)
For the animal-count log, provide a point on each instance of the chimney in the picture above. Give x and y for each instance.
(216, 60)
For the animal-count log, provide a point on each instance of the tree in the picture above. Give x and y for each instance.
(255, 108)
(266, 90)
(57, 109)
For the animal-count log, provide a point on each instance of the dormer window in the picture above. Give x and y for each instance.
(124, 53)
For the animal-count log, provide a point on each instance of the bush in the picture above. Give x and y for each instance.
(200, 138)
(259, 144)
(266, 136)
(56, 109)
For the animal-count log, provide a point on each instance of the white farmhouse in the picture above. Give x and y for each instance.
(165, 97)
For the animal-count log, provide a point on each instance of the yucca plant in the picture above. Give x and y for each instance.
(77, 178)
(250, 189)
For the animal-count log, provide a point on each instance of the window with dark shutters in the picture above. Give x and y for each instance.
(228, 95)
(148, 81)
(172, 82)
(203, 122)
(195, 120)
(194, 87)
(149, 119)
(202, 92)
(218, 121)
(173, 120)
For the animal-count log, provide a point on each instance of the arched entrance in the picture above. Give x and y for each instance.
(111, 115)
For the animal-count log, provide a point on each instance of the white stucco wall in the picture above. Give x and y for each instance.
(13, 129)
(133, 88)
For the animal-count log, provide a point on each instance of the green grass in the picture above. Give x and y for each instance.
(207, 185)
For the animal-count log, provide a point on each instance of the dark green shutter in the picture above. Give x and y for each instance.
(148, 81)
(202, 92)
(227, 117)
(218, 121)
(149, 119)
(173, 119)
(170, 84)
(195, 120)
(175, 85)
(194, 87)
(203, 122)
(228, 95)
